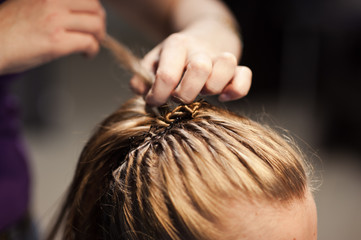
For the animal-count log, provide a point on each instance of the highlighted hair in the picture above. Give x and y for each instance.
(143, 176)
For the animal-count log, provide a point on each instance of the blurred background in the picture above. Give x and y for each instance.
(306, 60)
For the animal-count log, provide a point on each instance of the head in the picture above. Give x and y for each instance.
(193, 172)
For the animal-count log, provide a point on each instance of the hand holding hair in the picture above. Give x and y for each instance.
(228, 79)
(34, 32)
(199, 52)
(188, 66)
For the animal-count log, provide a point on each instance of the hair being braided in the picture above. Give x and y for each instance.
(145, 176)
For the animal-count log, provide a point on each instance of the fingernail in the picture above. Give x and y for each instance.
(148, 99)
(224, 97)
(177, 99)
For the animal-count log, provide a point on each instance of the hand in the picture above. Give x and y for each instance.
(34, 32)
(186, 66)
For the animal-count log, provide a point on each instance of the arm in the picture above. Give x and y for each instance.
(201, 53)
(33, 32)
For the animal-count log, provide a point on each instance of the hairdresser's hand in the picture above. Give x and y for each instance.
(33, 32)
(186, 66)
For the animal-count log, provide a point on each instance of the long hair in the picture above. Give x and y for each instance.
(143, 176)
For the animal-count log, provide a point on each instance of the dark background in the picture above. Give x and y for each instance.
(310, 50)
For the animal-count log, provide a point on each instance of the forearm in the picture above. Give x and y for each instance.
(208, 20)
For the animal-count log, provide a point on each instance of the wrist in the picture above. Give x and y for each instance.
(221, 33)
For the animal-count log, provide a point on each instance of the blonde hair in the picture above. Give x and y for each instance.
(142, 176)
(171, 173)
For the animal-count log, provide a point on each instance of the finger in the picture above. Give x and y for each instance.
(170, 69)
(239, 86)
(198, 71)
(86, 23)
(222, 73)
(150, 63)
(90, 6)
(75, 42)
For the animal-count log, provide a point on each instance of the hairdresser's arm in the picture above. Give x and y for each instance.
(33, 32)
(201, 55)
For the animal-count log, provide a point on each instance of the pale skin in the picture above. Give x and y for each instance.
(199, 56)
(264, 220)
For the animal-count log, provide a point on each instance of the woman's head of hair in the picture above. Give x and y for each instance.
(190, 172)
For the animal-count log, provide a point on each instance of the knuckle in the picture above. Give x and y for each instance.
(177, 38)
(99, 28)
(102, 12)
(200, 65)
(240, 92)
(166, 77)
(211, 89)
(51, 23)
(229, 58)
(55, 35)
(99, 9)
(52, 17)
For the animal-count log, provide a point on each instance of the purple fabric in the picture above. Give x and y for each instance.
(14, 174)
